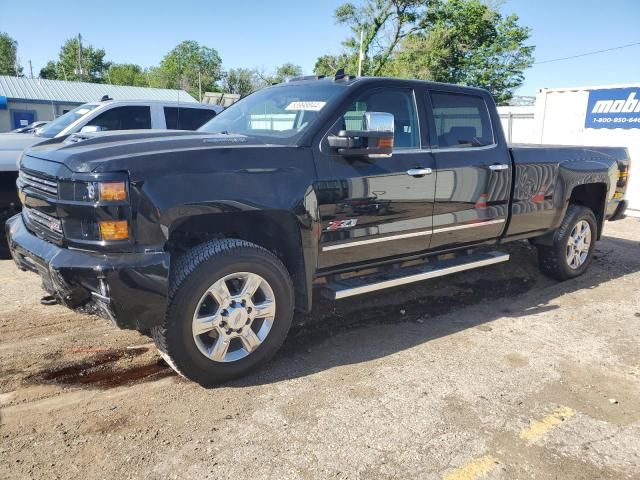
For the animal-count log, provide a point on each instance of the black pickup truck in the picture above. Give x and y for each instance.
(340, 186)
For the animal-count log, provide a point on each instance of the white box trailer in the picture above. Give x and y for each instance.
(596, 116)
(518, 123)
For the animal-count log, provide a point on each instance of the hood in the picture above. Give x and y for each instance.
(11, 146)
(88, 152)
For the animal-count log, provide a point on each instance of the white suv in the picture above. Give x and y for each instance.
(130, 115)
(93, 117)
(109, 115)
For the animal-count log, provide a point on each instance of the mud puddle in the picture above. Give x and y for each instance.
(104, 370)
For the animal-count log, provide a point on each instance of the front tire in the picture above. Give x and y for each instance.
(571, 252)
(230, 309)
(5, 254)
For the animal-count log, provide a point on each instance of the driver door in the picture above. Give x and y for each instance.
(374, 208)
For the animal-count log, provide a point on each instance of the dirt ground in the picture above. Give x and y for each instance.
(498, 373)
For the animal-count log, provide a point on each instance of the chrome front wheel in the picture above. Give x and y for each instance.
(234, 317)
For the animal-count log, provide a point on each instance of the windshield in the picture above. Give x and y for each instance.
(53, 128)
(278, 114)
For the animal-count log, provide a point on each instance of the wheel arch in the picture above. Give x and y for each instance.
(594, 197)
(275, 230)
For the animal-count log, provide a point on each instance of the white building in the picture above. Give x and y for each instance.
(26, 100)
(607, 115)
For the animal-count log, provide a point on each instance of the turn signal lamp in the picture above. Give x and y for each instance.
(385, 142)
(114, 230)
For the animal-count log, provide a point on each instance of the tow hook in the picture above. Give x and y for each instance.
(49, 300)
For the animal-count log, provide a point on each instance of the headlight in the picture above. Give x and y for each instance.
(96, 208)
(94, 192)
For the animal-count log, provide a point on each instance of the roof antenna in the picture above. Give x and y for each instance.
(339, 74)
(105, 98)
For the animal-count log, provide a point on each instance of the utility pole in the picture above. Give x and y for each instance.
(30, 69)
(79, 70)
(361, 55)
(200, 85)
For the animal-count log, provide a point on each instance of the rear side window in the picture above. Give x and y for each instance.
(124, 118)
(462, 121)
(181, 118)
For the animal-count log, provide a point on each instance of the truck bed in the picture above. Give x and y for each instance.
(543, 173)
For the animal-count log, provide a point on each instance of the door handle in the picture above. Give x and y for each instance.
(498, 166)
(419, 172)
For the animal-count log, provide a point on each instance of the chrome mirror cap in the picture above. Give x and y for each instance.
(377, 122)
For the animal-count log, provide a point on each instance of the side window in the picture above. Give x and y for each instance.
(171, 118)
(462, 121)
(187, 118)
(396, 101)
(124, 118)
(194, 118)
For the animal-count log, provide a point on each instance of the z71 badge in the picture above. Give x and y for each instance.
(340, 224)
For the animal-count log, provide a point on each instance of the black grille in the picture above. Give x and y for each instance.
(39, 182)
(43, 225)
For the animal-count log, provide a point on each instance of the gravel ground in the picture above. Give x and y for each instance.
(496, 373)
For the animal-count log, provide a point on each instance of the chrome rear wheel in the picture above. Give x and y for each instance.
(578, 245)
(570, 251)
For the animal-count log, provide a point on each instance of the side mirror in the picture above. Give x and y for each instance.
(91, 129)
(373, 139)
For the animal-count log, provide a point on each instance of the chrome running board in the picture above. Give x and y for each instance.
(401, 276)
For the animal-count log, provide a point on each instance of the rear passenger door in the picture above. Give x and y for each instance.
(184, 118)
(473, 170)
(133, 117)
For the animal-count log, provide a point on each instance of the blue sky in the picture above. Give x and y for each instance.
(267, 33)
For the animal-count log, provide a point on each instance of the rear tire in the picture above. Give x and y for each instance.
(213, 283)
(571, 252)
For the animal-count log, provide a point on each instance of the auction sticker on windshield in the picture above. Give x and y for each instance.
(311, 106)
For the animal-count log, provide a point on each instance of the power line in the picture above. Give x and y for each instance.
(588, 53)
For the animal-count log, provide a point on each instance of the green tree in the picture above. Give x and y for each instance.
(49, 71)
(244, 81)
(158, 78)
(8, 56)
(456, 41)
(89, 67)
(126, 74)
(187, 65)
(383, 23)
(279, 75)
(328, 65)
(288, 70)
(241, 81)
(469, 43)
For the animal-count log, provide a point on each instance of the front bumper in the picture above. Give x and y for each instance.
(130, 289)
